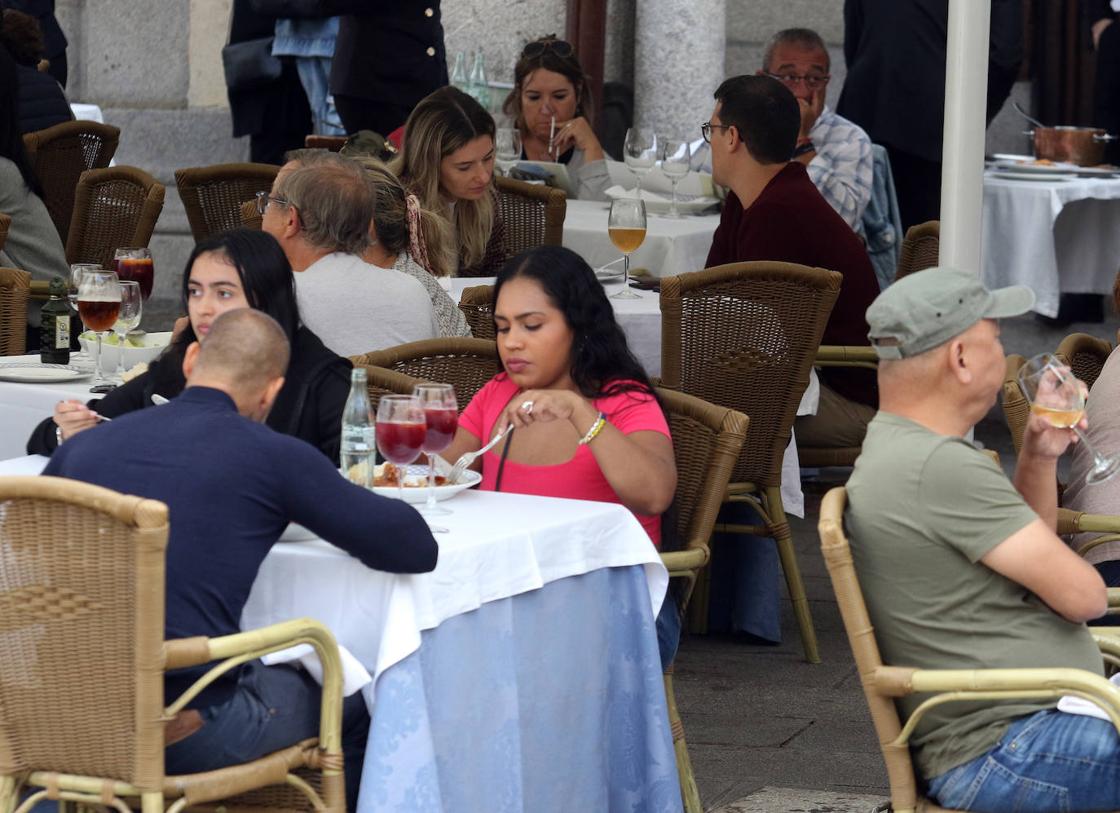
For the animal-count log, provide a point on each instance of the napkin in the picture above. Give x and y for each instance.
(354, 675)
(1075, 705)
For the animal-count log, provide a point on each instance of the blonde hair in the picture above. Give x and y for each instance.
(441, 123)
(426, 237)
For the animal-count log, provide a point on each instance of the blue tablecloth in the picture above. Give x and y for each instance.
(548, 701)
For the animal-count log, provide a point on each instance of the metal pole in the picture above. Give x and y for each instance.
(962, 169)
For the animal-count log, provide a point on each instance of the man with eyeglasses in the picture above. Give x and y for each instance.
(774, 212)
(836, 152)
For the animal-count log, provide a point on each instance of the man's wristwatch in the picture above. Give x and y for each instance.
(802, 149)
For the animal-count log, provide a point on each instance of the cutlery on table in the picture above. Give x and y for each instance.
(159, 400)
(463, 462)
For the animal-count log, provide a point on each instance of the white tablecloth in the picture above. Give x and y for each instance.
(23, 406)
(1052, 236)
(671, 246)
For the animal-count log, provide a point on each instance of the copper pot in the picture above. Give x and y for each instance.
(1083, 146)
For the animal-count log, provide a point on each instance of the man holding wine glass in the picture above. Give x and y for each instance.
(963, 569)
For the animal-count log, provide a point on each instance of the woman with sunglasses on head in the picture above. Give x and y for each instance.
(235, 269)
(551, 106)
(447, 161)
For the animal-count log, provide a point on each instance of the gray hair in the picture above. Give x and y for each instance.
(805, 38)
(334, 202)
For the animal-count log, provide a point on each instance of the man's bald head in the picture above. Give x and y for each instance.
(245, 355)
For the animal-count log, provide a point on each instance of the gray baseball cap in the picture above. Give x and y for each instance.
(926, 309)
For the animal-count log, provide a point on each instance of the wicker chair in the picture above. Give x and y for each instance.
(477, 305)
(113, 207)
(707, 441)
(60, 154)
(250, 217)
(829, 355)
(883, 684)
(1016, 407)
(744, 336)
(467, 364)
(15, 286)
(533, 215)
(5, 224)
(324, 142)
(213, 196)
(919, 248)
(1086, 355)
(82, 588)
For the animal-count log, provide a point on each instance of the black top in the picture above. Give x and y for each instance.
(232, 486)
(42, 103)
(309, 406)
(895, 53)
(54, 41)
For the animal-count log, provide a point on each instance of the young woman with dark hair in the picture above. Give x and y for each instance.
(236, 269)
(587, 424)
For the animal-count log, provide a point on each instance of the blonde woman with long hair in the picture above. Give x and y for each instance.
(447, 161)
(411, 239)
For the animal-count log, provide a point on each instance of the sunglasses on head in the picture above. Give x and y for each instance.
(538, 47)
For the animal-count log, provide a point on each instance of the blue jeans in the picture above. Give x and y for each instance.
(271, 708)
(314, 75)
(668, 629)
(1049, 761)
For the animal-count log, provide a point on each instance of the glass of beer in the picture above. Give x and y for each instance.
(135, 264)
(441, 416)
(99, 302)
(76, 271)
(1059, 397)
(626, 225)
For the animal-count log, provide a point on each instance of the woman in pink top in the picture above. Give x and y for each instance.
(587, 425)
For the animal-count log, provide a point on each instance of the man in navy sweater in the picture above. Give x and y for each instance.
(232, 485)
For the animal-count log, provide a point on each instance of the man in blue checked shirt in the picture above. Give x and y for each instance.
(836, 152)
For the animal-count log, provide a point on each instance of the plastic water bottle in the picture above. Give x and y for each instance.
(358, 441)
(479, 85)
(459, 74)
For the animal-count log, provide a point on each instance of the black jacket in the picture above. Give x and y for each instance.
(895, 53)
(42, 103)
(54, 41)
(308, 407)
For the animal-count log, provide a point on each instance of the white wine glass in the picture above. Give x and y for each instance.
(132, 307)
(626, 225)
(507, 148)
(99, 302)
(676, 157)
(1058, 396)
(639, 151)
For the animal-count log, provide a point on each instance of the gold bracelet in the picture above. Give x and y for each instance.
(595, 429)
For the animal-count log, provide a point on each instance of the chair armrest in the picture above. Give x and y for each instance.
(40, 289)
(680, 561)
(1078, 522)
(839, 355)
(234, 650)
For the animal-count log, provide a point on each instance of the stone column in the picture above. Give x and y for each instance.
(678, 63)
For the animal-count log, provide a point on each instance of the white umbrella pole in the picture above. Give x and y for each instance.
(966, 97)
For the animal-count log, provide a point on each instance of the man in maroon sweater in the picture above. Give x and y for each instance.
(774, 212)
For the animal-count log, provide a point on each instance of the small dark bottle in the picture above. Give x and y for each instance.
(54, 329)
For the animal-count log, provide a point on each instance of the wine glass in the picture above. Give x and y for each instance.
(76, 271)
(99, 302)
(135, 264)
(640, 153)
(128, 318)
(626, 224)
(1057, 395)
(507, 148)
(676, 157)
(401, 430)
(441, 416)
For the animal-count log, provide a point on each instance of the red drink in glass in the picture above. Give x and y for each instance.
(137, 269)
(441, 429)
(400, 442)
(99, 315)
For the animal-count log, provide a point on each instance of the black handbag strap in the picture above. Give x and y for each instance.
(502, 460)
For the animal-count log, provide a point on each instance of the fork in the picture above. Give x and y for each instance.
(463, 462)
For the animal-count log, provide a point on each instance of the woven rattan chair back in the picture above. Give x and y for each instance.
(381, 381)
(324, 142)
(5, 224)
(466, 364)
(1086, 355)
(60, 154)
(477, 305)
(1016, 407)
(865, 649)
(920, 248)
(744, 336)
(113, 207)
(81, 609)
(250, 217)
(15, 288)
(533, 215)
(213, 196)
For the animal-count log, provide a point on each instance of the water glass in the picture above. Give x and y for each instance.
(676, 158)
(132, 307)
(639, 151)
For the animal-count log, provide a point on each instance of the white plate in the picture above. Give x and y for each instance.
(33, 372)
(1031, 176)
(608, 275)
(419, 494)
(1032, 168)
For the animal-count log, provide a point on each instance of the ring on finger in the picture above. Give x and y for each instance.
(527, 407)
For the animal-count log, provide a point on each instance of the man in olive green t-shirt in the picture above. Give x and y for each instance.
(960, 568)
